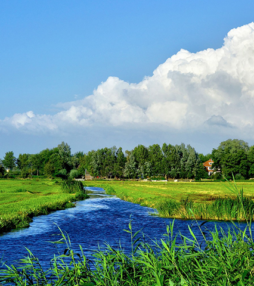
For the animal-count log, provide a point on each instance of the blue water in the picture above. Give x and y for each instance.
(91, 223)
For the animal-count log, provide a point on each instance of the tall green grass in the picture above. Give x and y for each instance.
(221, 209)
(71, 186)
(227, 259)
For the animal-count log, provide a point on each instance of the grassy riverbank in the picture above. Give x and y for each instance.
(208, 200)
(227, 260)
(20, 200)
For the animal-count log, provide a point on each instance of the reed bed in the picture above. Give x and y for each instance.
(71, 186)
(225, 209)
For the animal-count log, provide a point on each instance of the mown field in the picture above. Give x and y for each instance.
(149, 193)
(208, 200)
(21, 199)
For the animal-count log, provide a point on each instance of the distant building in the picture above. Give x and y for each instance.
(88, 176)
(208, 165)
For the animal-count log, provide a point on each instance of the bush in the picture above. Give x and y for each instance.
(74, 174)
(9, 175)
(16, 172)
(216, 176)
(157, 178)
(24, 173)
(62, 174)
(239, 177)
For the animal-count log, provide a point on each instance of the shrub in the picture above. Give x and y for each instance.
(74, 174)
(16, 172)
(62, 174)
(239, 177)
(216, 176)
(24, 173)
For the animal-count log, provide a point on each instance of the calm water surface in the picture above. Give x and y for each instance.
(91, 223)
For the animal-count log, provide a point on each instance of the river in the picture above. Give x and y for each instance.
(92, 222)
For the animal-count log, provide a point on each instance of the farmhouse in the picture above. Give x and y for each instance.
(208, 165)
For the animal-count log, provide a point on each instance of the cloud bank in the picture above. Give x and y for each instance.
(207, 91)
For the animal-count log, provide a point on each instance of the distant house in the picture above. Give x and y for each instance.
(208, 165)
(88, 176)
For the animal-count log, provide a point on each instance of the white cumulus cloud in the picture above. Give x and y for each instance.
(207, 90)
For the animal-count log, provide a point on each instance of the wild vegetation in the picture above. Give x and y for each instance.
(21, 200)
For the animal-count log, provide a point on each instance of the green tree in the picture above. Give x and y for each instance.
(171, 160)
(44, 156)
(203, 158)
(64, 151)
(201, 172)
(141, 154)
(192, 164)
(9, 160)
(251, 161)
(120, 163)
(231, 157)
(49, 169)
(35, 162)
(130, 170)
(23, 161)
(155, 158)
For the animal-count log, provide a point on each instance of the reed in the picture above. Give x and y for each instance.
(71, 186)
(221, 209)
(226, 259)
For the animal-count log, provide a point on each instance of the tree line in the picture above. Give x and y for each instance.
(232, 157)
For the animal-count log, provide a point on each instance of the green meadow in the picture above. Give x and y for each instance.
(187, 200)
(22, 199)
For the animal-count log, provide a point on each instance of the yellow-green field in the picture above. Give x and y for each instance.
(149, 193)
(183, 196)
(20, 200)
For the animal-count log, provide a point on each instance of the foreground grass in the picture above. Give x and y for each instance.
(209, 201)
(20, 200)
(227, 259)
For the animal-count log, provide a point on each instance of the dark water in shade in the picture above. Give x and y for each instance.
(92, 222)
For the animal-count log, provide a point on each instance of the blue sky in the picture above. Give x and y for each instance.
(53, 53)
